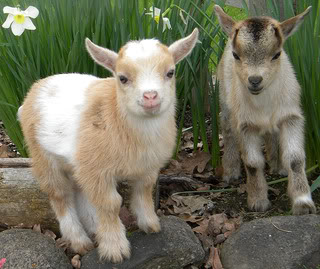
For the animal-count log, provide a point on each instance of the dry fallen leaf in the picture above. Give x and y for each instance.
(202, 228)
(206, 241)
(51, 234)
(174, 168)
(4, 151)
(191, 218)
(227, 234)
(75, 261)
(228, 226)
(204, 188)
(216, 223)
(216, 260)
(199, 160)
(220, 238)
(61, 243)
(219, 171)
(188, 204)
(127, 218)
(37, 228)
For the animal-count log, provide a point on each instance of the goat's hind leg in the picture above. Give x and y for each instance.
(231, 161)
(87, 213)
(293, 158)
(60, 188)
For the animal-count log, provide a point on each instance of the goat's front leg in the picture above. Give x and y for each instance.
(142, 204)
(273, 154)
(293, 158)
(231, 161)
(254, 162)
(111, 233)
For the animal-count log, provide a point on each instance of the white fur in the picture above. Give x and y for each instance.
(19, 113)
(60, 103)
(303, 199)
(86, 212)
(72, 229)
(142, 49)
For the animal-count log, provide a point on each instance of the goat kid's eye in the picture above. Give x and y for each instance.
(123, 79)
(235, 55)
(275, 57)
(170, 74)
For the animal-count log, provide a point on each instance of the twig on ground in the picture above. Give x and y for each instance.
(282, 230)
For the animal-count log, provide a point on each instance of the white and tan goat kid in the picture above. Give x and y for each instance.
(260, 100)
(85, 134)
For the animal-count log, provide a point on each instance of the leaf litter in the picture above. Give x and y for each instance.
(200, 211)
(211, 218)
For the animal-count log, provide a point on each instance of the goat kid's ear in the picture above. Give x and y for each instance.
(226, 22)
(183, 47)
(291, 25)
(106, 58)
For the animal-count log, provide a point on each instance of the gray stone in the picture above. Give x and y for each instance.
(173, 248)
(27, 249)
(285, 242)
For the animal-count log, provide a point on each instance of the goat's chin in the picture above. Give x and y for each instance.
(255, 91)
(152, 110)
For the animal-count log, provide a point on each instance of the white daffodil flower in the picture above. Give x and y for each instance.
(20, 20)
(166, 24)
(155, 13)
(185, 21)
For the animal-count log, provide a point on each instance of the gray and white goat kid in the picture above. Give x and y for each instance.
(85, 134)
(260, 101)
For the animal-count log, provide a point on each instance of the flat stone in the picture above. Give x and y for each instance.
(284, 242)
(173, 248)
(27, 249)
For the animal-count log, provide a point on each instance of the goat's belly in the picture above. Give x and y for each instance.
(60, 104)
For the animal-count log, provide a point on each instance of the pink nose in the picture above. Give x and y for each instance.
(150, 95)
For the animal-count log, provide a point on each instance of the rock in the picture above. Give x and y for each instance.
(27, 249)
(284, 242)
(21, 200)
(173, 248)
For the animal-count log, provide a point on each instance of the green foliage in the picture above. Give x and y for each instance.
(57, 46)
(303, 50)
(315, 185)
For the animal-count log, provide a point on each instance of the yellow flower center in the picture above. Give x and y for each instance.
(19, 18)
(157, 18)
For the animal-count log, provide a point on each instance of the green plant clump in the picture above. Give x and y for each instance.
(57, 46)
